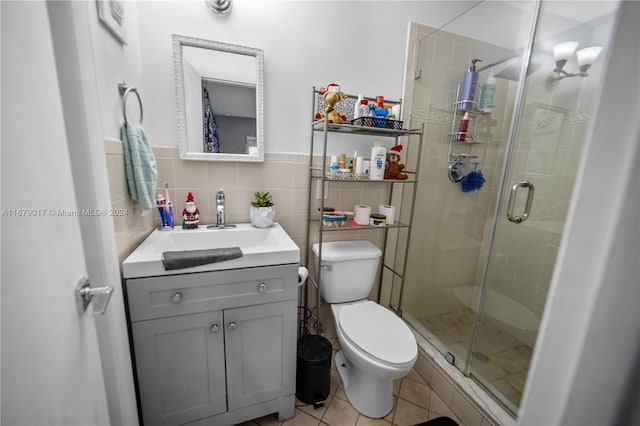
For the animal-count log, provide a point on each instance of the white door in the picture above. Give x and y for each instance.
(51, 369)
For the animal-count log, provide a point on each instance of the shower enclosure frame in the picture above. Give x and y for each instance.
(500, 207)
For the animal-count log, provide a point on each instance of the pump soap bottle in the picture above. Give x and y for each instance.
(487, 94)
(468, 88)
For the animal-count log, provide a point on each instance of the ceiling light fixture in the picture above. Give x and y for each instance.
(219, 7)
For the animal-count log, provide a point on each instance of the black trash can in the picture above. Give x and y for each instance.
(313, 371)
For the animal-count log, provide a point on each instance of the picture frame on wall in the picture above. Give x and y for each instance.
(111, 16)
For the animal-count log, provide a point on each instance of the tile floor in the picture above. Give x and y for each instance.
(414, 403)
(501, 361)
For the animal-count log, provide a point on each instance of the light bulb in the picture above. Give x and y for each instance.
(587, 56)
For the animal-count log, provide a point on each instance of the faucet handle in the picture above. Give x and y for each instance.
(220, 197)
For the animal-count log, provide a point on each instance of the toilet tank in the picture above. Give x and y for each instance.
(348, 269)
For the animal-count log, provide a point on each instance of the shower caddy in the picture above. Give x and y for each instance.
(394, 258)
(457, 169)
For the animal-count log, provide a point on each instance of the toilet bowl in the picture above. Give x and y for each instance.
(377, 347)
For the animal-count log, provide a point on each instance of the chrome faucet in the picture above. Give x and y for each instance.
(220, 222)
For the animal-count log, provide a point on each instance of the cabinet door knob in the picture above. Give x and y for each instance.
(177, 298)
(262, 287)
(214, 328)
(232, 326)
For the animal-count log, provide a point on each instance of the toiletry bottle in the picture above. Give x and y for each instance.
(378, 162)
(372, 110)
(464, 125)
(364, 108)
(357, 113)
(468, 88)
(352, 163)
(487, 94)
(342, 160)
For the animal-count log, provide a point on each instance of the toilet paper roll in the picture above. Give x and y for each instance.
(389, 212)
(303, 273)
(362, 214)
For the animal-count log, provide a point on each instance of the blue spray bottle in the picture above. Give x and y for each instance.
(468, 88)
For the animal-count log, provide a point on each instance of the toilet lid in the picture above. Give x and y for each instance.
(378, 332)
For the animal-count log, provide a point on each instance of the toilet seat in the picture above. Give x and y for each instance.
(378, 332)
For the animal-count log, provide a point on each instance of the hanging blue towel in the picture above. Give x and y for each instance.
(140, 165)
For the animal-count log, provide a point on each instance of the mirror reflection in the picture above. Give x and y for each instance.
(219, 99)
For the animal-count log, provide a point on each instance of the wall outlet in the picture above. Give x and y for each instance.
(319, 190)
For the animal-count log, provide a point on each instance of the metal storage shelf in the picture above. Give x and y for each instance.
(322, 129)
(362, 227)
(319, 125)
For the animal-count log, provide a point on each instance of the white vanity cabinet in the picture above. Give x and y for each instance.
(215, 348)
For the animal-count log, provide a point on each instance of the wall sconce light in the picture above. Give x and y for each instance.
(218, 7)
(563, 51)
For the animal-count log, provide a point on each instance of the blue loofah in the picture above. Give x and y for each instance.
(473, 181)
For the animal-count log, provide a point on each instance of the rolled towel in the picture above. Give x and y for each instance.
(190, 258)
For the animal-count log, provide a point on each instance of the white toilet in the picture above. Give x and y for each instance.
(377, 346)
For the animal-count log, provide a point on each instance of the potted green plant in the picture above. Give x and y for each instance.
(262, 210)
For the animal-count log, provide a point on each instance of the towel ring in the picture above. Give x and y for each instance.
(124, 90)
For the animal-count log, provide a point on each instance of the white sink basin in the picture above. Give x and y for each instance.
(260, 247)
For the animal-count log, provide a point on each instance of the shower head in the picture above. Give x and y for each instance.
(511, 67)
(511, 70)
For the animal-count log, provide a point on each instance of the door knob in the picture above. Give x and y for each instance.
(214, 328)
(177, 298)
(262, 287)
(232, 326)
(85, 294)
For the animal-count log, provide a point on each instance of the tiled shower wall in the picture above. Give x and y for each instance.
(547, 151)
(451, 225)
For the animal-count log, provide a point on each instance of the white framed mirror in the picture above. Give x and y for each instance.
(219, 100)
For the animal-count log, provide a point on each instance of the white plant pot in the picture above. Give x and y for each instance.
(262, 217)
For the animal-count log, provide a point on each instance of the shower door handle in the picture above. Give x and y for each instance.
(512, 201)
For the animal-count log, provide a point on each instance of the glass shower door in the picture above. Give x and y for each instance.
(452, 227)
(552, 125)
(480, 262)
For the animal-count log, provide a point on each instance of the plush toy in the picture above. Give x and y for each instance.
(393, 167)
(332, 95)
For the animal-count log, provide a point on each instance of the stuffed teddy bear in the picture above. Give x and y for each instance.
(393, 167)
(332, 95)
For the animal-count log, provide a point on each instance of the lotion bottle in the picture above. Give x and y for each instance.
(357, 112)
(378, 162)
